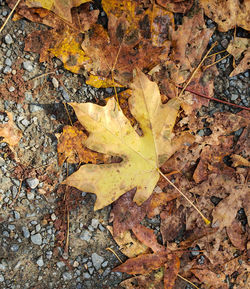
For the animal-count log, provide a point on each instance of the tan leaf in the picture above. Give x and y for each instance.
(10, 133)
(228, 13)
(111, 133)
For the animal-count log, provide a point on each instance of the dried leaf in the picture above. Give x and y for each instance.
(177, 6)
(239, 161)
(9, 132)
(71, 147)
(151, 281)
(237, 235)
(128, 244)
(143, 264)
(210, 278)
(61, 8)
(111, 133)
(228, 13)
(171, 269)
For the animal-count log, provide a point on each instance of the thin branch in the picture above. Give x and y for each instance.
(7, 19)
(188, 281)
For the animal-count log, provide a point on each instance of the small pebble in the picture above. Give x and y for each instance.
(60, 264)
(85, 236)
(8, 62)
(40, 262)
(8, 39)
(27, 65)
(14, 248)
(97, 260)
(35, 108)
(67, 276)
(36, 239)
(26, 232)
(11, 89)
(55, 82)
(7, 70)
(32, 182)
(30, 196)
(1, 278)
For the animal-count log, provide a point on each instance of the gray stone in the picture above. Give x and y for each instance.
(60, 264)
(85, 236)
(36, 239)
(91, 270)
(32, 182)
(35, 108)
(55, 82)
(39, 261)
(14, 247)
(49, 254)
(25, 122)
(97, 260)
(67, 276)
(86, 275)
(1, 278)
(101, 228)
(105, 264)
(234, 96)
(94, 223)
(11, 227)
(16, 215)
(7, 70)
(11, 88)
(30, 196)
(8, 39)
(53, 217)
(27, 65)
(8, 62)
(2, 267)
(65, 95)
(26, 232)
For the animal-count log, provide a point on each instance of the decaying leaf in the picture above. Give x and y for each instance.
(177, 6)
(111, 133)
(210, 278)
(239, 161)
(228, 13)
(61, 8)
(71, 147)
(9, 132)
(237, 235)
(128, 244)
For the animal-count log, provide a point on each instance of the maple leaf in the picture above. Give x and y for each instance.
(228, 13)
(110, 132)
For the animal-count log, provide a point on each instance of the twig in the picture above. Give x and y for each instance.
(7, 19)
(188, 281)
(19, 190)
(209, 65)
(215, 99)
(65, 106)
(196, 69)
(191, 203)
(112, 251)
(42, 75)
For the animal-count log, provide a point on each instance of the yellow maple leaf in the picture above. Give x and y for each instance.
(110, 132)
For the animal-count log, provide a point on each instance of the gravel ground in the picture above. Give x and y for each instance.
(30, 256)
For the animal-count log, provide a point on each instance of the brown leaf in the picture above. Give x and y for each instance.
(228, 13)
(171, 269)
(9, 132)
(177, 6)
(143, 264)
(127, 213)
(153, 280)
(237, 235)
(239, 161)
(71, 147)
(147, 237)
(210, 278)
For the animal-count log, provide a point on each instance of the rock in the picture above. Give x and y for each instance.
(30, 196)
(35, 108)
(8, 39)
(234, 96)
(2, 267)
(67, 276)
(60, 264)
(224, 43)
(7, 70)
(26, 232)
(14, 247)
(39, 261)
(85, 236)
(86, 275)
(105, 264)
(94, 223)
(32, 182)
(11, 88)
(11, 227)
(97, 260)
(91, 270)
(55, 82)
(16, 215)
(8, 62)
(53, 217)
(36, 239)
(25, 122)
(27, 65)
(1, 278)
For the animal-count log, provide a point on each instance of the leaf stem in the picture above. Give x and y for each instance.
(7, 19)
(196, 69)
(190, 202)
(187, 281)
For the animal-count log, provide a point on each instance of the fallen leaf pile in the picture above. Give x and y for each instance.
(133, 153)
